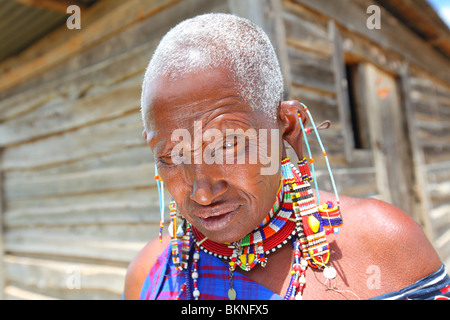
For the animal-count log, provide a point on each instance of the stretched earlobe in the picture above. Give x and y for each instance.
(292, 134)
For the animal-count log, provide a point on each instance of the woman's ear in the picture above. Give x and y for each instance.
(144, 135)
(292, 134)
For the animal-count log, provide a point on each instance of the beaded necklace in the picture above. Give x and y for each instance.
(251, 250)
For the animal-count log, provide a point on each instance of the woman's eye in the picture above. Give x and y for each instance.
(164, 160)
(230, 142)
(229, 145)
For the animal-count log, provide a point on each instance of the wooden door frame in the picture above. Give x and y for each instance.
(418, 203)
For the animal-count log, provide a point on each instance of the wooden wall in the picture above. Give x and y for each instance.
(78, 199)
(430, 108)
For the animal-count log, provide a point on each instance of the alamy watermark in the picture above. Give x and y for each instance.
(236, 147)
(374, 20)
(74, 20)
(73, 281)
(374, 280)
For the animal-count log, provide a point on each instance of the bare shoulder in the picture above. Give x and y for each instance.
(382, 235)
(140, 266)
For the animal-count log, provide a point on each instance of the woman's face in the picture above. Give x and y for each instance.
(224, 200)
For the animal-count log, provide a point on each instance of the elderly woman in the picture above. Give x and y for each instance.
(245, 222)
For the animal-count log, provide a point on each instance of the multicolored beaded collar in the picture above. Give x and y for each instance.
(251, 250)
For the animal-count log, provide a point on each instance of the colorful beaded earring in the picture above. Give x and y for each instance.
(181, 230)
(333, 219)
(160, 184)
(178, 229)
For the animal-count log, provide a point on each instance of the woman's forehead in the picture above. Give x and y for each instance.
(223, 115)
(190, 98)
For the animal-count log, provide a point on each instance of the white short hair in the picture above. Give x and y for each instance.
(218, 40)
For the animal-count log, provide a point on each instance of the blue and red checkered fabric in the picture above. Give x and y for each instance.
(164, 282)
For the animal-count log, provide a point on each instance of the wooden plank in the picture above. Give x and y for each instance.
(441, 225)
(435, 154)
(114, 212)
(98, 139)
(101, 180)
(306, 30)
(112, 60)
(442, 245)
(138, 231)
(439, 214)
(438, 172)
(58, 6)
(40, 242)
(126, 157)
(16, 293)
(72, 201)
(437, 135)
(355, 182)
(430, 112)
(62, 115)
(311, 70)
(427, 87)
(439, 192)
(424, 19)
(419, 172)
(64, 279)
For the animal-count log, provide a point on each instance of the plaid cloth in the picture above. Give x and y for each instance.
(436, 286)
(163, 282)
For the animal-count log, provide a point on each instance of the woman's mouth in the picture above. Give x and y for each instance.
(218, 218)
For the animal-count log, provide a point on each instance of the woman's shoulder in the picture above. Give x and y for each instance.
(376, 233)
(383, 224)
(140, 266)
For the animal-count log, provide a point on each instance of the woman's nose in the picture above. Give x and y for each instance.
(207, 185)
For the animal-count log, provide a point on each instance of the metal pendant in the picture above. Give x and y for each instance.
(231, 294)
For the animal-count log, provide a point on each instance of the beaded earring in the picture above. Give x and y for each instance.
(332, 217)
(160, 184)
(180, 230)
(314, 221)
